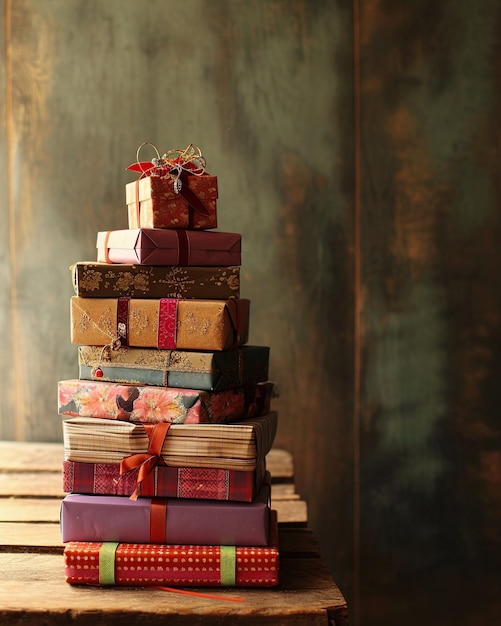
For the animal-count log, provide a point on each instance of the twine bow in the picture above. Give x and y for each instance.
(173, 163)
(147, 461)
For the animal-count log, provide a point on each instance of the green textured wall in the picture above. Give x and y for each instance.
(430, 453)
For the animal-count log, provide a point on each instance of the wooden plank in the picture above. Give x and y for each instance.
(30, 537)
(35, 590)
(47, 508)
(35, 484)
(39, 537)
(280, 465)
(29, 510)
(27, 456)
(19, 460)
(31, 484)
(23, 456)
(290, 511)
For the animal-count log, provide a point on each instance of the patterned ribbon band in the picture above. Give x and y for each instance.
(123, 321)
(167, 325)
(147, 461)
(107, 563)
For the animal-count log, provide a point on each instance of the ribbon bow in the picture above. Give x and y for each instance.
(146, 461)
(176, 164)
(172, 163)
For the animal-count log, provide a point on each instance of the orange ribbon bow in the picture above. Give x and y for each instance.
(146, 461)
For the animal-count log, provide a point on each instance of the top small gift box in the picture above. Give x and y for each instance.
(173, 191)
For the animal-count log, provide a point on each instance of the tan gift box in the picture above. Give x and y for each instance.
(164, 323)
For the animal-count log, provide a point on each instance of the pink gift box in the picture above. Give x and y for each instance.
(159, 246)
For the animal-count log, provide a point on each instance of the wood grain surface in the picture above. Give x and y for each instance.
(35, 593)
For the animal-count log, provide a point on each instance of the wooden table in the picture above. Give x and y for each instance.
(33, 589)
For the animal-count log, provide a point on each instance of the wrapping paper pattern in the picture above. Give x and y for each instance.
(166, 520)
(164, 323)
(153, 203)
(157, 246)
(239, 446)
(166, 482)
(211, 370)
(105, 280)
(95, 563)
(154, 404)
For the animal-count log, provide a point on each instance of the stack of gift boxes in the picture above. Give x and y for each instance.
(167, 428)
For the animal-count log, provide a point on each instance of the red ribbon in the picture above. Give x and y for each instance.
(167, 323)
(194, 202)
(158, 520)
(146, 461)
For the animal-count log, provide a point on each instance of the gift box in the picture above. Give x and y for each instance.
(152, 202)
(240, 446)
(136, 564)
(88, 398)
(166, 323)
(211, 371)
(157, 246)
(166, 482)
(166, 520)
(105, 280)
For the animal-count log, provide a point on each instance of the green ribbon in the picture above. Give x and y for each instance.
(107, 563)
(228, 556)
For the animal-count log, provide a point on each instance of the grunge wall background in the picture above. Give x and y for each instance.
(356, 146)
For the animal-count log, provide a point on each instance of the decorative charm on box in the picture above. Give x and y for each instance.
(173, 191)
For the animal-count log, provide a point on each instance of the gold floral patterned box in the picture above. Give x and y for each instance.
(104, 280)
(166, 323)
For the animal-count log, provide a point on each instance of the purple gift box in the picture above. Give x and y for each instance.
(167, 520)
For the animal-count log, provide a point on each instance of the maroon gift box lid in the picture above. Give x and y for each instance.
(115, 246)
